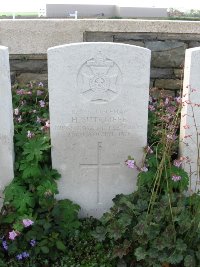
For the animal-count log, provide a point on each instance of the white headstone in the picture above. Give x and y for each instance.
(98, 109)
(190, 115)
(6, 122)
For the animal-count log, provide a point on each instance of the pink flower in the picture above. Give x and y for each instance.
(20, 92)
(30, 134)
(42, 103)
(178, 100)
(148, 150)
(130, 163)
(19, 119)
(176, 178)
(144, 169)
(172, 137)
(16, 111)
(177, 163)
(27, 222)
(38, 119)
(186, 126)
(151, 108)
(12, 235)
(47, 124)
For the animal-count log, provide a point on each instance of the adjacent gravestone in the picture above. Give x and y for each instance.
(6, 122)
(190, 116)
(98, 109)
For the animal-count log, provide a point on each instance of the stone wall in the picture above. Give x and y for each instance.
(28, 41)
(168, 52)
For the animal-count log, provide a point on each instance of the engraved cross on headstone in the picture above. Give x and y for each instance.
(99, 165)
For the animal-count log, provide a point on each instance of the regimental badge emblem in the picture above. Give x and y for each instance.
(99, 79)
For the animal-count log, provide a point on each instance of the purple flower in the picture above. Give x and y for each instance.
(41, 84)
(25, 254)
(5, 245)
(42, 103)
(12, 235)
(32, 242)
(130, 163)
(19, 257)
(27, 222)
(39, 92)
(176, 178)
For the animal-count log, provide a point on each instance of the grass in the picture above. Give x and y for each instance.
(10, 14)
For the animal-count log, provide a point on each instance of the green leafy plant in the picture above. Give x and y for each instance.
(158, 225)
(31, 195)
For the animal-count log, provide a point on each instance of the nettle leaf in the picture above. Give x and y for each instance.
(33, 150)
(23, 201)
(12, 190)
(189, 261)
(140, 253)
(175, 257)
(31, 169)
(65, 211)
(180, 245)
(49, 174)
(122, 249)
(47, 188)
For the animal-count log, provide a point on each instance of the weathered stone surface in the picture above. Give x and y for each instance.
(98, 110)
(159, 46)
(35, 36)
(28, 57)
(36, 77)
(189, 147)
(168, 84)
(12, 77)
(126, 36)
(157, 92)
(161, 73)
(178, 73)
(168, 59)
(28, 65)
(194, 44)
(98, 37)
(151, 83)
(6, 123)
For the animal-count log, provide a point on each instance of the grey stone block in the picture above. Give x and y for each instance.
(159, 46)
(35, 66)
(194, 44)
(98, 37)
(36, 77)
(161, 73)
(178, 73)
(172, 84)
(12, 77)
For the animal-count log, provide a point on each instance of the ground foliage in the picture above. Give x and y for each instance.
(36, 229)
(158, 225)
